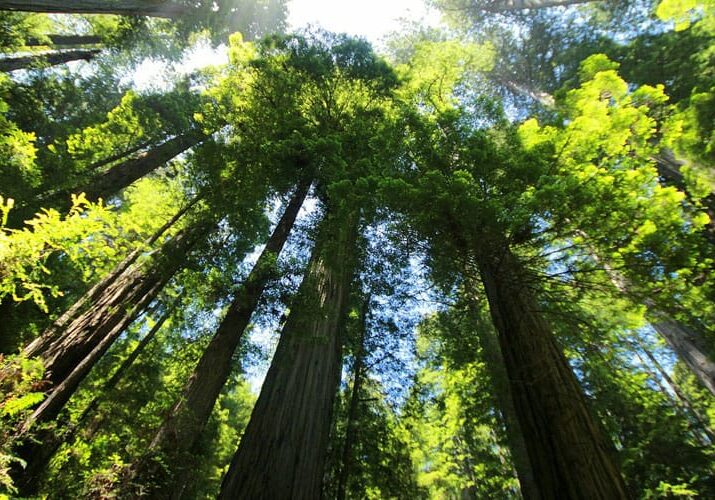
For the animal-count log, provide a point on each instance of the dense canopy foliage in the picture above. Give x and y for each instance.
(479, 263)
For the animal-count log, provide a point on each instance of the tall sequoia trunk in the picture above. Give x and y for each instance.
(65, 40)
(282, 452)
(8, 64)
(500, 382)
(669, 171)
(38, 452)
(119, 7)
(570, 457)
(680, 395)
(351, 428)
(688, 346)
(124, 174)
(43, 342)
(70, 357)
(187, 418)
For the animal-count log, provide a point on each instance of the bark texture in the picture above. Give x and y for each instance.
(282, 452)
(8, 64)
(119, 7)
(189, 415)
(38, 346)
(124, 174)
(40, 451)
(69, 358)
(569, 456)
(502, 391)
(689, 347)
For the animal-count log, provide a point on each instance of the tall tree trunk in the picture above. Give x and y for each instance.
(496, 6)
(119, 7)
(70, 358)
(282, 452)
(65, 40)
(38, 452)
(351, 427)
(502, 391)
(116, 157)
(43, 342)
(569, 455)
(8, 64)
(124, 174)
(679, 394)
(689, 347)
(188, 417)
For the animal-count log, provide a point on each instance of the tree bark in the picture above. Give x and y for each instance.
(8, 64)
(351, 428)
(124, 174)
(38, 452)
(502, 391)
(688, 346)
(70, 358)
(41, 344)
(118, 7)
(570, 457)
(188, 417)
(282, 452)
(680, 395)
(669, 171)
(65, 40)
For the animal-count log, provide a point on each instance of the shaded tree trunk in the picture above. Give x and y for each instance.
(42, 343)
(116, 157)
(188, 417)
(66, 40)
(282, 452)
(669, 171)
(689, 348)
(351, 424)
(569, 455)
(43, 447)
(124, 174)
(502, 391)
(680, 395)
(119, 7)
(70, 357)
(8, 64)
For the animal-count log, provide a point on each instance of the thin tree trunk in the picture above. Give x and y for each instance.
(679, 394)
(351, 429)
(65, 40)
(188, 417)
(282, 452)
(69, 359)
(669, 171)
(688, 346)
(116, 157)
(502, 391)
(569, 455)
(118, 7)
(124, 174)
(8, 64)
(41, 344)
(38, 452)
